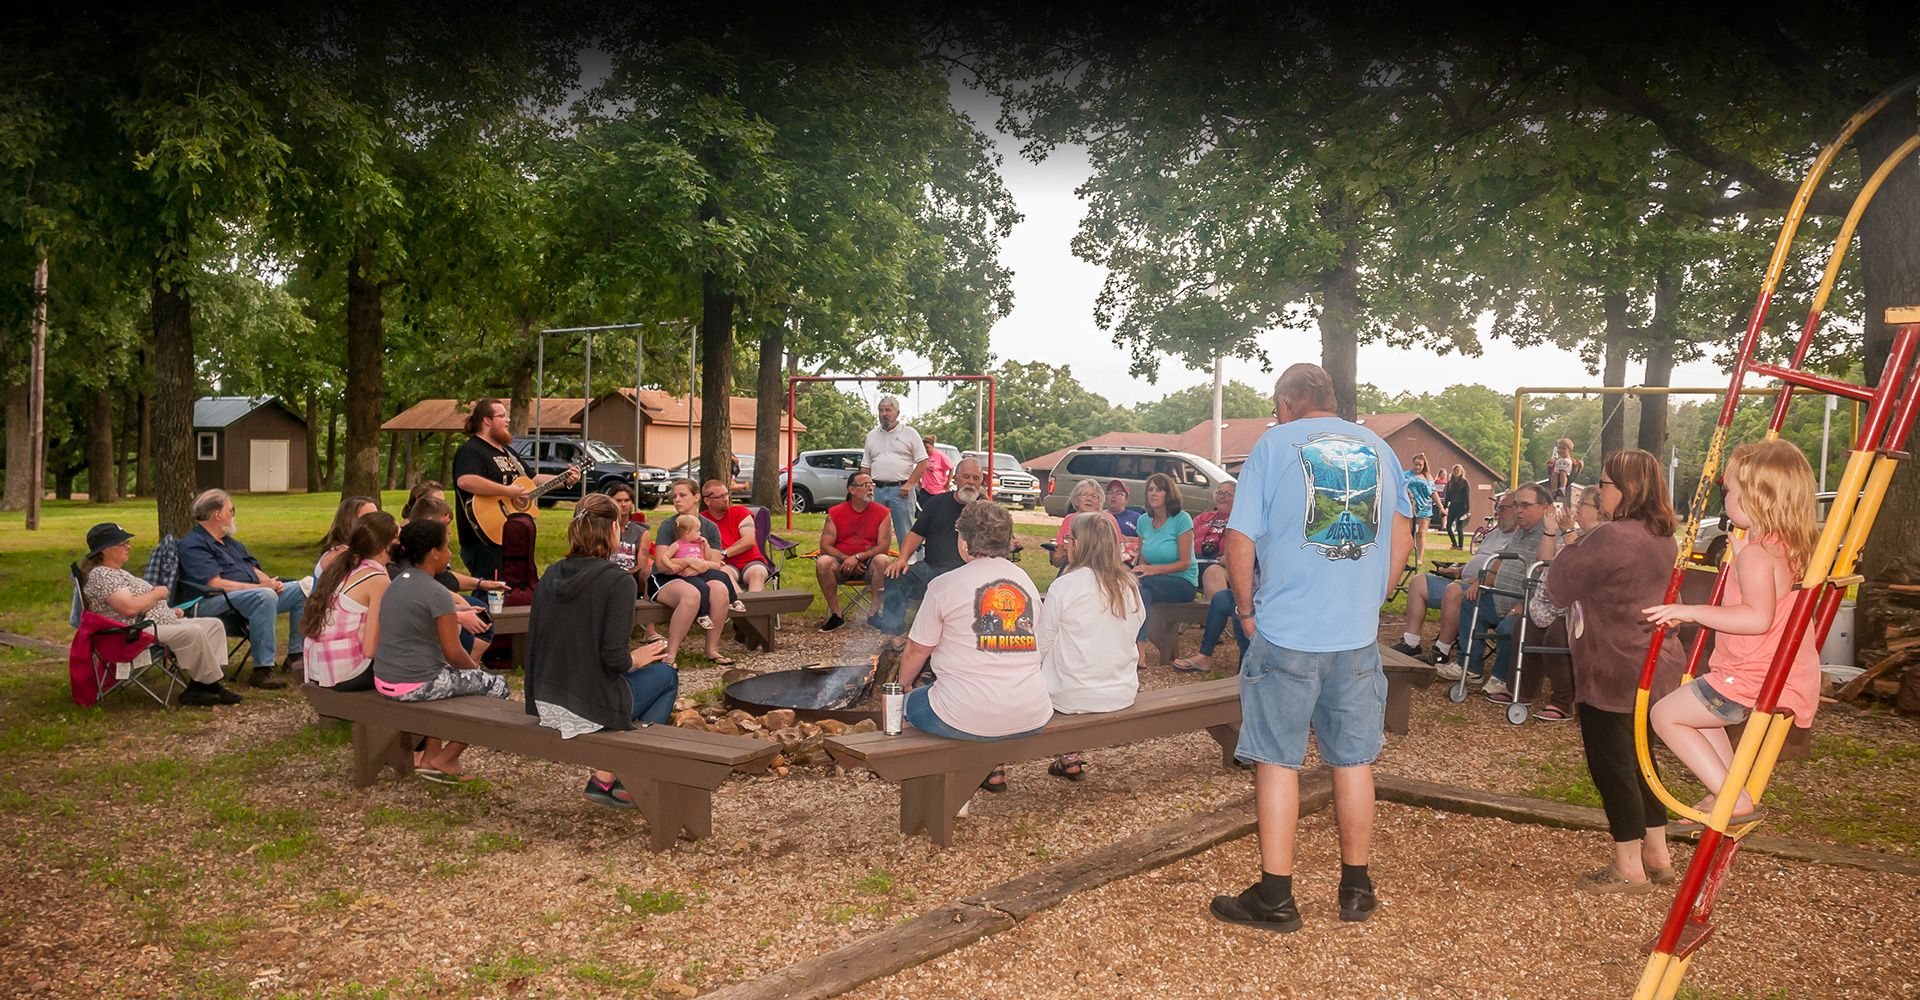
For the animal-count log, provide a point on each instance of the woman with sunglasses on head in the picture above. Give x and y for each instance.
(1167, 570)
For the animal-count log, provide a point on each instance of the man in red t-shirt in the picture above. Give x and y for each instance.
(853, 544)
(738, 543)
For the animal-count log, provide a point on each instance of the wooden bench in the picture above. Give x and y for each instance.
(1405, 674)
(937, 776)
(754, 628)
(671, 772)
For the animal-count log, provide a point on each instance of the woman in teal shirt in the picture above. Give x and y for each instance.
(1167, 570)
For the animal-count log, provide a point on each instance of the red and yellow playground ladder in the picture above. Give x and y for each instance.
(1877, 451)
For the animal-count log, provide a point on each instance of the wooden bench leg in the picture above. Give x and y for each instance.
(754, 631)
(1163, 633)
(1399, 705)
(1228, 736)
(932, 802)
(670, 809)
(375, 747)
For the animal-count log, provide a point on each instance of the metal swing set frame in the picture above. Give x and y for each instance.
(1878, 449)
(795, 381)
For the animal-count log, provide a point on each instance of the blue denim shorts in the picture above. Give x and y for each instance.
(1723, 708)
(1341, 695)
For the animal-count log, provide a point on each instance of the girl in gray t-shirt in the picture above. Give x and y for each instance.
(419, 656)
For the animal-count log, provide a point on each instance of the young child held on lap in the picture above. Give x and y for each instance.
(686, 544)
(1770, 495)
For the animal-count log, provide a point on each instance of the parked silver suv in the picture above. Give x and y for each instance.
(1195, 476)
(820, 478)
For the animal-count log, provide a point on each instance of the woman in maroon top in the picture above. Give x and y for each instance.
(1604, 577)
(1207, 531)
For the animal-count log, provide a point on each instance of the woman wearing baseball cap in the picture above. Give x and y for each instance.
(200, 644)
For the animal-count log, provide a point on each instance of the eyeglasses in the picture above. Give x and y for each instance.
(1517, 504)
(715, 496)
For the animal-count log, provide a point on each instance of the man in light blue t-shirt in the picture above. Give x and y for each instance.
(1322, 506)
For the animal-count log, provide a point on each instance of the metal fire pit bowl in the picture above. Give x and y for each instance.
(813, 694)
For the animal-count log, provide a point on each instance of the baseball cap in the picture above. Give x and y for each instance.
(1115, 484)
(105, 536)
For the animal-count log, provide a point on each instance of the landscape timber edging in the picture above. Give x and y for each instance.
(1001, 907)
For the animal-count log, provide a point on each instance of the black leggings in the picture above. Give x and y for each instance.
(1632, 808)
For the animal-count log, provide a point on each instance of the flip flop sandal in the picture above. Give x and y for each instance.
(988, 783)
(724, 661)
(1187, 666)
(1072, 770)
(437, 777)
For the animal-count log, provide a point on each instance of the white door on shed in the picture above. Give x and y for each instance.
(267, 465)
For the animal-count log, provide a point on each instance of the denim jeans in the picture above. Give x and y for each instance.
(1164, 588)
(260, 606)
(911, 585)
(1502, 628)
(1220, 619)
(902, 509)
(654, 687)
(919, 714)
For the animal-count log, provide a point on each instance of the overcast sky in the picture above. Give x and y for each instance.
(1054, 291)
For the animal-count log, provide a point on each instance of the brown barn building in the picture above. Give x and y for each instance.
(247, 444)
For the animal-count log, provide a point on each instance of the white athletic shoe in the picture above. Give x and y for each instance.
(1495, 686)
(1447, 670)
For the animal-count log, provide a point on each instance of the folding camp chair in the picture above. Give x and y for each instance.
(109, 655)
(777, 550)
(163, 570)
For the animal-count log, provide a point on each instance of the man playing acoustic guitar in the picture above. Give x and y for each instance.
(486, 467)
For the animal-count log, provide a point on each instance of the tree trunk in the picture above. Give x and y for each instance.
(716, 378)
(1613, 372)
(365, 344)
(1889, 257)
(313, 440)
(173, 388)
(1654, 409)
(100, 473)
(125, 445)
(1340, 328)
(393, 453)
(446, 459)
(520, 380)
(333, 441)
(19, 463)
(143, 448)
(63, 483)
(768, 403)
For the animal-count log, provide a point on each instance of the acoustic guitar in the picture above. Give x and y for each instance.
(489, 513)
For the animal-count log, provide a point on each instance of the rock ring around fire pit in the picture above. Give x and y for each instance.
(813, 693)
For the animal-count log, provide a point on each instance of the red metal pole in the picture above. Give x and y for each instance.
(990, 405)
(790, 453)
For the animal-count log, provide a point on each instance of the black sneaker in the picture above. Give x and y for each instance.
(1248, 910)
(615, 794)
(1402, 648)
(224, 694)
(199, 695)
(1357, 904)
(832, 622)
(262, 677)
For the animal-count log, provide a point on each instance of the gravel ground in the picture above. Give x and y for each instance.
(177, 873)
(1470, 908)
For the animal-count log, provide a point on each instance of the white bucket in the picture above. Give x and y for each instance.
(1838, 649)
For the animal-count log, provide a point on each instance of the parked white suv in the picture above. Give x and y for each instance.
(1012, 483)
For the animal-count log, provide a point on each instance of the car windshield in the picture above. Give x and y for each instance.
(1002, 462)
(604, 452)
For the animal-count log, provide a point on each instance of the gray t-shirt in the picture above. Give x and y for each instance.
(708, 531)
(409, 650)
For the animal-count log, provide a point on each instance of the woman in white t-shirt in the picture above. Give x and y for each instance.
(978, 622)
(1086, 633)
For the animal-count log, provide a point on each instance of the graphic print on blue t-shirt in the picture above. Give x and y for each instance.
(1003, 619)
(1343, 509)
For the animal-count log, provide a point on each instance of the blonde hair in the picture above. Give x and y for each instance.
(1096, 546)
(1777, 487)
(686, 527)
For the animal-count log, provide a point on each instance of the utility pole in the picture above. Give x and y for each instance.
(1217, 367)
(37, 400)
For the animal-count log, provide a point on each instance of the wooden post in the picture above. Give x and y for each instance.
(37, 399)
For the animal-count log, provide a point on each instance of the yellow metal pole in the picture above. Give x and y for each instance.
(1518, 395)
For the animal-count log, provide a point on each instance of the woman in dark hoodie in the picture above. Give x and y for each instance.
(581, 675)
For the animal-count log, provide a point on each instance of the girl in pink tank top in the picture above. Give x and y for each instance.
(1770, 495)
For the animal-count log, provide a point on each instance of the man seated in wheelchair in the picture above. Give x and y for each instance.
(216, 564)
(107, 589)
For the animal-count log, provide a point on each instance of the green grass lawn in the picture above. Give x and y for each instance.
(284, 532)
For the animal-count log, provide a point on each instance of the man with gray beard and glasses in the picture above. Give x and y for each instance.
(934, 529)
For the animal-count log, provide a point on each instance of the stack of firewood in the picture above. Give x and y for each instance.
(1888, 639)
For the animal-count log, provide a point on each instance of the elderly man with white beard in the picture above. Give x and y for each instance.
(934, 529)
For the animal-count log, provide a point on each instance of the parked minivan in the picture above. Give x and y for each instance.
(1194, 476)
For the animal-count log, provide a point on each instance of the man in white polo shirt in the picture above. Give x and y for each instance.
(896, 458)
